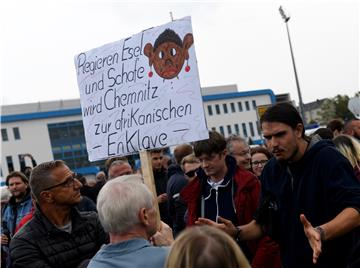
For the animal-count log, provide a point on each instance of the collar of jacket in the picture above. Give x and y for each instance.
(76, 220)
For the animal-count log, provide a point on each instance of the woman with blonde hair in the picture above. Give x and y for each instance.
(350, 148)
(205, 247)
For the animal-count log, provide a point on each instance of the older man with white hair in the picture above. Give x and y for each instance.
(127, 212)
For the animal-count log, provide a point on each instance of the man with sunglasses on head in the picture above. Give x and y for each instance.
(222, 189)
(58, 235)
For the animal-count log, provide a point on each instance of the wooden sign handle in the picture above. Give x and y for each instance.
(148, 175)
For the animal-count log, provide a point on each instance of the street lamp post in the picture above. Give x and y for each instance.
(301, 104)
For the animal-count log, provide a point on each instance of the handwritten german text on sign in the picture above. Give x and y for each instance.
(141, 92)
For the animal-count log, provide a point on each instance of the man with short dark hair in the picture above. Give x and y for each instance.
(20, 202)
(336, 126)
(58, 235)
(310, 200)
(223, 190)
(161, 179)
(352, 128)
(17, 208)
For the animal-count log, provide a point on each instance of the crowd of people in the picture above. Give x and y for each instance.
(293, 202)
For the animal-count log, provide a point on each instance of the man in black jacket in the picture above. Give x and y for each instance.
(58, 235)
(310, 199)
(161, 178)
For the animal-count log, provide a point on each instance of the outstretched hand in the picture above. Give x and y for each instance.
(313, 236)
(224, 224)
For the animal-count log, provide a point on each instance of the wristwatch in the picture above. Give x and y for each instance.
(321, 231)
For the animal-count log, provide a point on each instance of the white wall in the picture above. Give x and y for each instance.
(231, 118)
(34, 139)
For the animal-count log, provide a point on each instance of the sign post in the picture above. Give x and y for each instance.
(148, 175)
(141, 93)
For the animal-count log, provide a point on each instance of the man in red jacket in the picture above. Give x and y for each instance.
(221, 189)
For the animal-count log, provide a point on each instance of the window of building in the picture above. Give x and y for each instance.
(251, 126)
(222, 130)
(4, 134)
(210, 112)
(229, 129)
(68, 143)
(247, 106)
(240, 106)
(237, 131)
(10, 163)
(244, 130)
(16, 133)
(254, 104)
(21, 160)
(225, 108)
(232, 107)
(258, 128)
(217, 108)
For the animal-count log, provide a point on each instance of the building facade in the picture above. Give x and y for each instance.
(312, 111)
(54, 130)
(231, 112)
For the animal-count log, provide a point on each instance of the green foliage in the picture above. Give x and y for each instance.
(336, 108)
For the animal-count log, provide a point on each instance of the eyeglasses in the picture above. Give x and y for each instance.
(190, 173)
(258, 163)
(67, 183)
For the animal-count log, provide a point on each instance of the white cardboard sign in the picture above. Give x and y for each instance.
(142, 92)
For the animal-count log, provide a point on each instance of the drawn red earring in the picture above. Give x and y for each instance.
(150, 74)
(187, 68)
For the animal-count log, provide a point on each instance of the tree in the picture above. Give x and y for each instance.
(335, 108)
(327, 111)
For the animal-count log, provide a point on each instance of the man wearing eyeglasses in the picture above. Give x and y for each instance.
(238, 148)
(223, 190)
(58, 235)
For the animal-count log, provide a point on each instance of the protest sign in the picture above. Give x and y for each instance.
(142, 92)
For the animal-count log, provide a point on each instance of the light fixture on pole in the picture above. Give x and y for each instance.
(286, 18)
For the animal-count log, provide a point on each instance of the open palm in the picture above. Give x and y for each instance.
(313, 236)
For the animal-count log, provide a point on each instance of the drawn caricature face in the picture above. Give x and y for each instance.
(169, 53)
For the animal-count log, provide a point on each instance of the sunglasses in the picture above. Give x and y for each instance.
(190, 173)
(67, 183)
